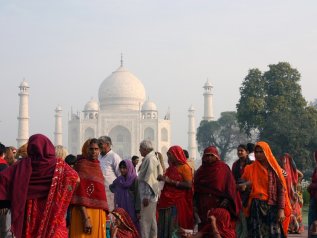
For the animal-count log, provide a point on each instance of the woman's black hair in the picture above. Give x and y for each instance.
(122, 164)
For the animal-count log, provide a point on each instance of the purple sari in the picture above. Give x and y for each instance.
(123, 195)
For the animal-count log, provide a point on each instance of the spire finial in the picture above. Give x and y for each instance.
(121, 61)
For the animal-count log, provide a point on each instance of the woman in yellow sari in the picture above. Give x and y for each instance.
(88, 217)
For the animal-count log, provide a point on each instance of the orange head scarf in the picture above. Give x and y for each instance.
(259, 176)
(84, 149)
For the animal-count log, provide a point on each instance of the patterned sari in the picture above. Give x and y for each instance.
(33, 186)
(126, 228)
(44, 216)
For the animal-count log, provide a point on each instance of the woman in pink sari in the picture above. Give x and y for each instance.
(33, 186)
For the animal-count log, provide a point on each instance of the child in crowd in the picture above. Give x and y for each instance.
(126, 192)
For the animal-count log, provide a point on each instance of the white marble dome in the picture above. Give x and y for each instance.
(91, 105)
(121, 91)
(149, 106)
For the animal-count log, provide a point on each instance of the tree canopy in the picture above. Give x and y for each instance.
(224, 133)
(272, 103)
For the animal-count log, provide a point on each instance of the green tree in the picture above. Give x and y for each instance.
(278, 111)
(224, 133)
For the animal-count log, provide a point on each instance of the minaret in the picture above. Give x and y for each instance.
(23, 118)
(192, 145)
(58, 134)
(208, 107)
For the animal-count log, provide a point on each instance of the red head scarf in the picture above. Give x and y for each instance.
(28, 179)
(129, 230)
(289, 166)
(207, 181)
(84, 149)
(178, 153)
(212, 150)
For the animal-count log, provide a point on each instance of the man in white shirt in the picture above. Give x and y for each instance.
(109, 163)
(149, 189)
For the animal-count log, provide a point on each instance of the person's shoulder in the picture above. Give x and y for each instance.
(116, 156)
(235, 163)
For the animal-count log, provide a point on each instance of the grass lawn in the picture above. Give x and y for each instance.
(305, 215)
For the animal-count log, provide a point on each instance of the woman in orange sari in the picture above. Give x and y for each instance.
(268, 211)
(33, 186)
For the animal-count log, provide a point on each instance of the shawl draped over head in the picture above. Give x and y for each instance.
(173, 196)
(288, 164)
(122, 184)
(224, 224)
(85, 148)
(211, 150)
(29, 179)
(127, 181)
(129, 230)
(178, 154)
(258, 175)
(91, 189)
(217, 180)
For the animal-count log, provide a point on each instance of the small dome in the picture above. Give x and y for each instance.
(149, 106)
(92, 105)
(24, 84)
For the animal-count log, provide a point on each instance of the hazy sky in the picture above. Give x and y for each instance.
(65, 49)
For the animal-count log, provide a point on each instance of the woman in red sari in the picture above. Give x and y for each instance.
(176, 198)
(293, 177)
(215, 187)
(123, 226)
(33, 186)
(90, 207)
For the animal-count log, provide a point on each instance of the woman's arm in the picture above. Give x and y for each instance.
(178, 184)
(87, 226)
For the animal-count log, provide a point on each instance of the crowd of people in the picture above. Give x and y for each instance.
(44, 192)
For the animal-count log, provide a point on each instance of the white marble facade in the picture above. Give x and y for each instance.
(124, 114)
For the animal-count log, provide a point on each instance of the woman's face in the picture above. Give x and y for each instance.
(242, 153)
(209, 158)
(123, 170)
(171, 159)
(93, 151)
(259, 154)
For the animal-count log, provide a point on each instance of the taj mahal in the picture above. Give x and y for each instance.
(122, 112)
